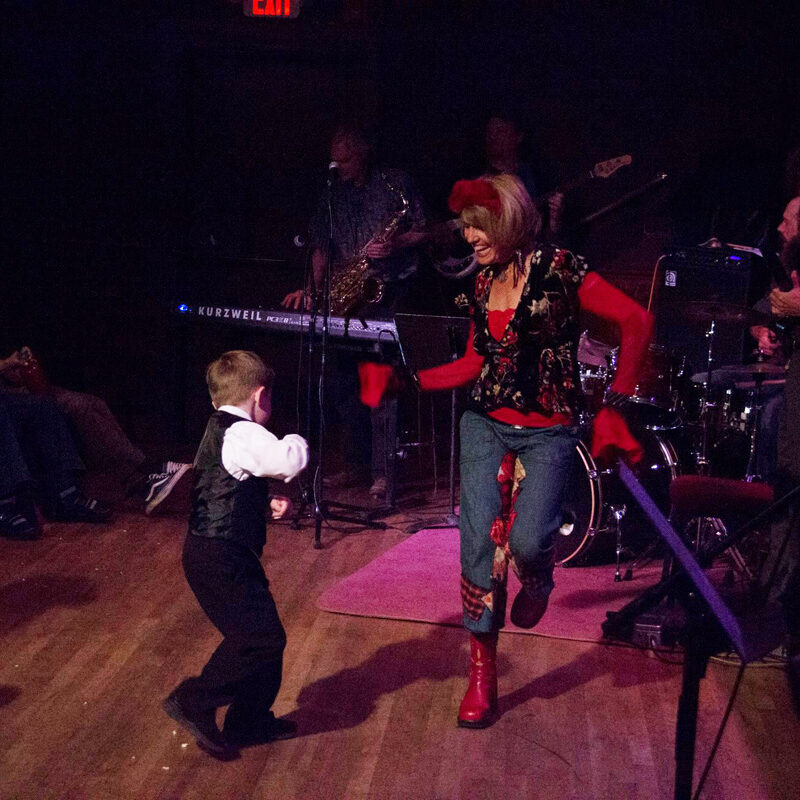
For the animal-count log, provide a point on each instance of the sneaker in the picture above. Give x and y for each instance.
(160, 484)
(72, 506)
(268, 728)
(14, 525)
(203, 727)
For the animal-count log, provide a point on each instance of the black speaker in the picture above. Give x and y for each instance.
(711, 275)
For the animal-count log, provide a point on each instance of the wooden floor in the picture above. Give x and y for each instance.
(98, 625)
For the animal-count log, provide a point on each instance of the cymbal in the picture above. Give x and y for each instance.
(718, 311)
(764, 384)
(738, 373)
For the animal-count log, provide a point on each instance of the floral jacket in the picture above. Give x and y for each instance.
(534, 366)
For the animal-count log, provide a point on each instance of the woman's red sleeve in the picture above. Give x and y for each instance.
(635, 324)
(455, 373)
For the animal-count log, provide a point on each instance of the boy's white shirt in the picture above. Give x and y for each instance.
(250, 449)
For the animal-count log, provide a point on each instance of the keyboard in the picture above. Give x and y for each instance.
(371, 330)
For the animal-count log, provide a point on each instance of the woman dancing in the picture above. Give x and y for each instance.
(518, 438)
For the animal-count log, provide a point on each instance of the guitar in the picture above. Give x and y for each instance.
(453, 258)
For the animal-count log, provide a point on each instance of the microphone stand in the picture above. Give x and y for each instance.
(306, 493)
(325, 509)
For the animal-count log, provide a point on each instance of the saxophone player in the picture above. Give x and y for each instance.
(365, 202)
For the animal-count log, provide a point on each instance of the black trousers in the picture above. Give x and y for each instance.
(783, 562)
(232, 589)
(35, 445)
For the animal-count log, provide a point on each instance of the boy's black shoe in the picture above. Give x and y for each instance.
(14, 525)
(203, 727)
(245, 731)
(72, 506)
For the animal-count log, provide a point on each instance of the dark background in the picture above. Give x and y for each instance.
(160, 151)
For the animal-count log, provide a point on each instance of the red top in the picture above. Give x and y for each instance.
(596, 296)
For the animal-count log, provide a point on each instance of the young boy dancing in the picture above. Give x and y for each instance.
(221, 559)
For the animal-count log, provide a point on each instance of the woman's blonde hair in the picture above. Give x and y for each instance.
(235, 375)
(518, 224)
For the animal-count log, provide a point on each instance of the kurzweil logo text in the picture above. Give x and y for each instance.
(222, 312)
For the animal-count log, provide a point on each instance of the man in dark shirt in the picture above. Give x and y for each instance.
(364, 200)
(504, 138)
(783, 565)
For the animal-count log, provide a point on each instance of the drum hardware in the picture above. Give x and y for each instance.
(725, 424)
(706, 407)
(596, 364)
(758, 376)
(589, 528)
(705, 534)
(655, 403)
(734, 374)
(617, 513)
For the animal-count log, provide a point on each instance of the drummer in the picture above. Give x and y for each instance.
(770, 348)
(782, 569)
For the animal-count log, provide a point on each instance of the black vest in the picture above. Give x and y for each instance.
(223, 507)
(534, 366)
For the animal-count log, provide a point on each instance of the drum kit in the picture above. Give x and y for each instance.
(704, 423)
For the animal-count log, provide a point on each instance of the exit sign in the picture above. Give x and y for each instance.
(271, 8)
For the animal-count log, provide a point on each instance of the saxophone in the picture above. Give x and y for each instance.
(351, 287)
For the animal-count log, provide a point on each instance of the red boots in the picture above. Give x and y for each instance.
(479, 706)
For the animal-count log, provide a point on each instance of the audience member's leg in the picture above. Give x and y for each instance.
(46, 441)
(17, 514)
(104, 444)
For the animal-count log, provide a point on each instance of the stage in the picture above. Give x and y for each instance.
(99, 625)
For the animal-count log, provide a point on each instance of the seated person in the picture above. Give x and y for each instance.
(39, 453)
(103, 443)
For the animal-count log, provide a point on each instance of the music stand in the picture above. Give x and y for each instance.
(710, 626)
(428, 340)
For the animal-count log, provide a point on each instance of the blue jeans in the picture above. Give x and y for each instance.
(548, 456)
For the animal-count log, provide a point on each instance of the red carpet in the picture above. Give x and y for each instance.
(418, 580)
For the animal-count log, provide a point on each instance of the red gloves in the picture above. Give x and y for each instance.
(611, 438)
(375, 379)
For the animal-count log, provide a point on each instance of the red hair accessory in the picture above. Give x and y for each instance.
(474, 193)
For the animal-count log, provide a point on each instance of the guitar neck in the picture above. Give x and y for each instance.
(566, 188)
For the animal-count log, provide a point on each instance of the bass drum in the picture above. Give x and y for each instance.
(585, 534)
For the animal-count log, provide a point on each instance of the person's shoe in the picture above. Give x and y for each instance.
(346, 479)
(160, 484)
(72, 506)
(203, 727)
(378, 488)
(242, 732)
(525, 611)
(14, 525)
(478, 709)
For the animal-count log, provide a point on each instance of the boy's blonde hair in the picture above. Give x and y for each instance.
(235, 375)
(519, 222)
